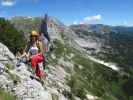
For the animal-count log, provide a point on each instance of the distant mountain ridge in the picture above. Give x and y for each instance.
(99, 28)
(34, 22)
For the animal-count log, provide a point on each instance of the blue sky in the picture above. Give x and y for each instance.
(112, 12)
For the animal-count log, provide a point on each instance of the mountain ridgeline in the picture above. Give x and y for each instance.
(74, 44)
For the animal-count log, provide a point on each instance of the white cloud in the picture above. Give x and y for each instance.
(89, 19)
(93, 18)
(7, 2)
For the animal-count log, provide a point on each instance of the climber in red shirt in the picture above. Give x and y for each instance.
(35, 54)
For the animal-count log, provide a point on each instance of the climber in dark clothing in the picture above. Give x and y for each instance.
(21, 57)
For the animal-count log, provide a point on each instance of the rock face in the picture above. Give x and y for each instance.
(85, 37)
(58, 30)
(17, 81)
(5, 55)
(55, 28)
(29, 89)
(23, 88)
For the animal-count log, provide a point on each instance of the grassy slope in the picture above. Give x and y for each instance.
(92, 78)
